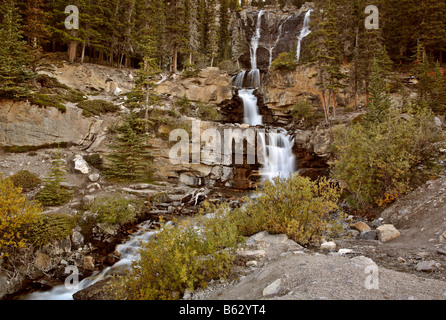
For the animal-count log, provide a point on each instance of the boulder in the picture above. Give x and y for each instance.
(368, 235)
(273, 288)
(361, 226)
(387, 232)
(328, 246)
(81, 165)
(426, 266)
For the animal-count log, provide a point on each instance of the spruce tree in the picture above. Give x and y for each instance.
(53, 193)
(130, 158)
(13, 56)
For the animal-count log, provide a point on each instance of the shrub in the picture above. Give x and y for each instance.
(295, 206)
(44, 100)
(25, 180)
(94, 160)
(97, 107)
(50, 227)
(184, 105)
(16, 213)
(181, 257)
(302, 109)
(207, 112)
(115, 210)
(286, 61)
(383, 161)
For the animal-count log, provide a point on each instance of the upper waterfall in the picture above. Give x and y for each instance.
(303, 33)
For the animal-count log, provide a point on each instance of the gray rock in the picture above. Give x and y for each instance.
(426, 266)
(368, 235)
(81, 165)
(387, 232)
(273, 288)
(378, 222)
(77, 239)
(328, 245)
(94, 177)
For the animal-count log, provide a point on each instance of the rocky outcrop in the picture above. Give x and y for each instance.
(280, 29)
(92, 77)
(23, 124)
(210, 86)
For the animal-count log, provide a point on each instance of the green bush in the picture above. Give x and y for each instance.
(302, 109)
(184, 105)
(295, 206)
(285, 60)
(115, 210)
(94, 160)
(378, 163)
(44, 100)
(207, 112)
(97, 107)
(50, 227)
(181, 257)
(25, 180)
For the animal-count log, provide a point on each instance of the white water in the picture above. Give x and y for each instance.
(304, 32)
(277, 145)
(129, 253)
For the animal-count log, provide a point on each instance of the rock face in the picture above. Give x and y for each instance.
(93, 77)
(211, 86)
(279, 32)
(22, 124)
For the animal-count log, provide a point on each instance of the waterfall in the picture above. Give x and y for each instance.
(277, 145)
(304, 32)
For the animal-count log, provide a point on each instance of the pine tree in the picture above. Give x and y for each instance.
(35, 30)
(130, 159)
(53, 193)
(13, 57)
(224, 34)
(212, 49)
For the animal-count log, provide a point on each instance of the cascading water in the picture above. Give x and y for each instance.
(277, 145)
(304, 32)
(129, 253)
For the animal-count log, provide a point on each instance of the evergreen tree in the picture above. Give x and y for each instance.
(13, 57)
(130, 159)
(53, 193)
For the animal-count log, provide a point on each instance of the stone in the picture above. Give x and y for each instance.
(77, 239)
(252, 254)
(187, 294)
(442, 250)
(88, 263)
(345, 251)
(426, 266)
(252, 263)
(387, 232)
(368, 235)
(89, 199)
(328, 245)
(94, 187)
(361, 226)
(353, 233)
(81, 165)
(378, 222)
(42, 261)
(94, 177)
(273, 288)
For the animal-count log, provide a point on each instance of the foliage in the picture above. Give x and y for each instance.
(295, 206)
(286, 61)
(16, 213)
(207, 112)
(25, 180)
(181, 257)
(97, 107)
(302, 109)
(13, 55)
(184, 105)
(386, 159)
(94, 160)
(53, 193)
(50, 227)
(130, 159)
(44, 100)
(115, 210)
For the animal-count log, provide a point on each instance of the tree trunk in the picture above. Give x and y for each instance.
(72, 50)
(174, 59)
(83, 53)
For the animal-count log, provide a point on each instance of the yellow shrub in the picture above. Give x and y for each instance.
(16, 214)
